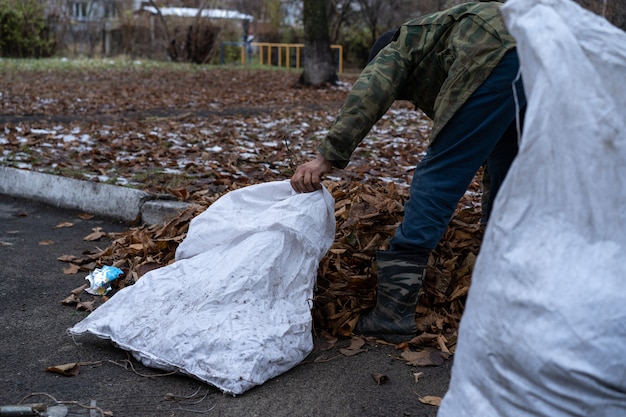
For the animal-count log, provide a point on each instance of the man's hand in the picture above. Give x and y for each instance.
(308, 176)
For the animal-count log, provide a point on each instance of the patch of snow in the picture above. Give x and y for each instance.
(42, 132)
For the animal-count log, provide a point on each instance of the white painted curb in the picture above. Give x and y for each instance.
(92, 197)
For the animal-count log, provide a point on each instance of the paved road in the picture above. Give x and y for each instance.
(32, 337)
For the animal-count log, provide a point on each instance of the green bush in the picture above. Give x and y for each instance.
(23, 31)
(356, 41)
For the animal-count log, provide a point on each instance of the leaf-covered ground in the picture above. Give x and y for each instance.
(197, 133)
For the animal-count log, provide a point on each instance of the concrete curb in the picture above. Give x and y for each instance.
(117, 202)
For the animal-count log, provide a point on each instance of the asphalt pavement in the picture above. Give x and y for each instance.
(33, 325)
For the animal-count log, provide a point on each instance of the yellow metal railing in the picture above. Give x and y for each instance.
(283, 56)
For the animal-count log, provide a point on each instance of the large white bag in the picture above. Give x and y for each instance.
(233, 310)
(544, 331)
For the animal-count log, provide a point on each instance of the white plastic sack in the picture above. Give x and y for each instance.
(544, 331)
(233, 310)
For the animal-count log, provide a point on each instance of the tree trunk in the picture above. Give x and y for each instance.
(319, 68)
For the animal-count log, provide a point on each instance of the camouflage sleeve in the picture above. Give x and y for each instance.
(371, 96)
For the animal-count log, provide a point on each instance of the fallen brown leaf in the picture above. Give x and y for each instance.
(426, 357)
(181, 193)
(423, 339)
(85, 305)
(63, 224)
(71, 269)
(442, 343)
(70, 300)
(355, 347)
(380, 379)
(325, 342)
(68, 258)
(68, 369)
(78, 290)
(95, 235)
(430, 400)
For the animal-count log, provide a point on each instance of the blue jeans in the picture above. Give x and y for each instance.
(482, 130)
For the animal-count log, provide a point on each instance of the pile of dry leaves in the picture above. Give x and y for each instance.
(198, 133)
(366, 215)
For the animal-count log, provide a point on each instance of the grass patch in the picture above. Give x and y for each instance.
(89, 64)
(157, 179)
(60, 64)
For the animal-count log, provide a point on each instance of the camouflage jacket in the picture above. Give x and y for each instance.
(436, 61)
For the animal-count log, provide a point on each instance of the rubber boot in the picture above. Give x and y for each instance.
(400, 277)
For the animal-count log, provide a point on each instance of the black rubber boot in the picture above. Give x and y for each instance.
(400, 277)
